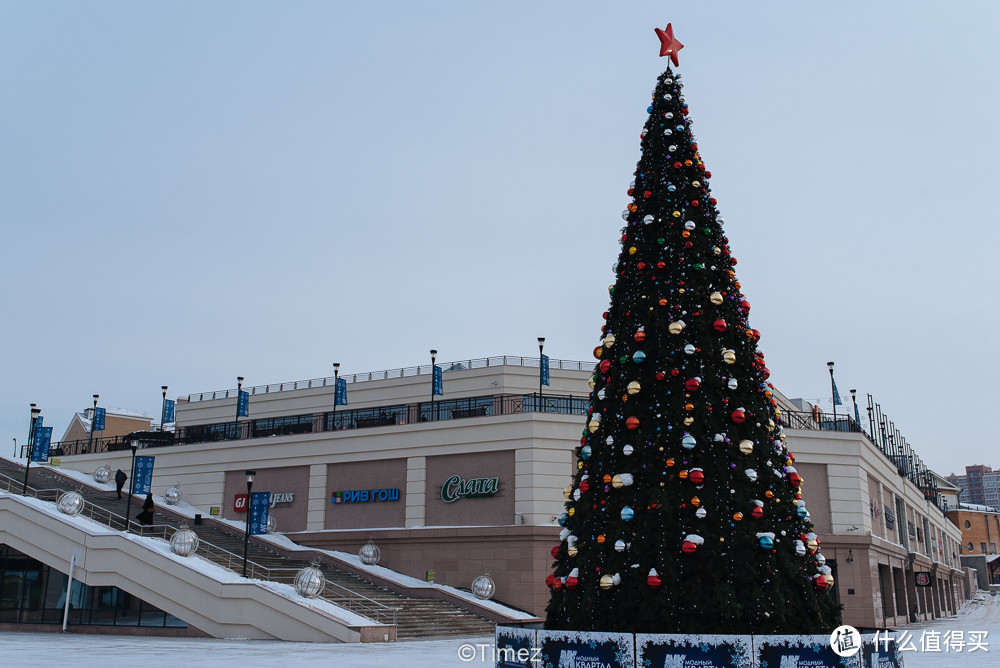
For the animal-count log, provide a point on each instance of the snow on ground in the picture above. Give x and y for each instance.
(45, 649)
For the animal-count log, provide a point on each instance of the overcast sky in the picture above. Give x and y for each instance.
(194, 191)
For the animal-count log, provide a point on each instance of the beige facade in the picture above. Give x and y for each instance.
(479, 489)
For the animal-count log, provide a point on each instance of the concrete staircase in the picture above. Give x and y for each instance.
(415, 618)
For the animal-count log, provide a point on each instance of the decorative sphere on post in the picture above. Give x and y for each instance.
(483, 587)
(173, 495)
(310, 581)
(70, 503)
(370, 553)
(184, 542)
(102, 475)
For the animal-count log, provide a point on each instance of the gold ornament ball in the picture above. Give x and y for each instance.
(688, 421)
(594, 424)
(609, 340)
(746, 447)
(715, 298)
(616, 482)
(607, 582)
(728, 356)
(568, 492)
(676, 327)
(571, 550)
(634, 387)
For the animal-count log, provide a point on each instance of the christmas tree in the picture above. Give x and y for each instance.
(685, 514)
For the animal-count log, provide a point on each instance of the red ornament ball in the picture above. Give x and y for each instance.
(795, 479)
(550, 580)
(654, 582)
(688, 547)
(697, 477)
(555, 553)
(598, 351)
(571, 582)
(632, 422)
(739, 416)
(757, 512)
(605, 365)
(719, 325)
(640, 336)
(692, 384)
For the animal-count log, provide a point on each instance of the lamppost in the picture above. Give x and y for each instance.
(336, 391)
(541, 344)
(163, 409)
(93, 422)
(239, 395)
(433, 378)
(35, 412)
(131, 486)
(833, 394)
(246, 536)
(854, 400)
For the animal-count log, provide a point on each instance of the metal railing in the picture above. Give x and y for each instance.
(358, 418)
(334, 593)
(477, 363)
(342, 596)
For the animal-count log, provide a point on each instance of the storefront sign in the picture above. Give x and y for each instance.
(240, 505)
(215, 511)
(455, 488)
(923, 578)
(366, 495)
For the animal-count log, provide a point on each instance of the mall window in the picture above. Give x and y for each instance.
(982, 548)
(968, 524)
(33, 593)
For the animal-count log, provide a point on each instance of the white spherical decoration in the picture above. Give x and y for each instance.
(70, 503)
(184, 542)
(483, 587)
(272, 524)
(173, 496)
(102, 475)
(310, 581)
(370, 553)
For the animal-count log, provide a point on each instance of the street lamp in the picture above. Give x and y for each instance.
(246, 535)
(131, 486)
(854, 400)
(336, 389)
(541, 344)
(239, 395)
(163, 409)
(93, 422)
(35, 412)
(433, 378)
(833, 394)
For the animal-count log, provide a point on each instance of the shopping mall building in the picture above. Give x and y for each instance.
(451, 487)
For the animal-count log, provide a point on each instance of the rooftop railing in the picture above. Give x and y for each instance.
(358, 418)
(477, 363)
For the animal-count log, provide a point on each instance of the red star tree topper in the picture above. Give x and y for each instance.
(669, 46)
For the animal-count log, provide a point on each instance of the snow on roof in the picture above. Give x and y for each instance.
(978, 508)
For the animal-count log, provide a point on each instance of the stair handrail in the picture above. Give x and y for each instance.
(352, 600)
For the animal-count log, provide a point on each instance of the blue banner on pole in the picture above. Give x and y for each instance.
(40, 446)
(857, 416)
(545, 369)
(99, 419)
(143, 480)
(168, 411)
(38, 421)
(836, 394)
(438, 381)
(259, 504)
(243, 409)
(341, 399)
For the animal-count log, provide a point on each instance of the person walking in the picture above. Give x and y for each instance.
(120, 479)
(146, 516)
